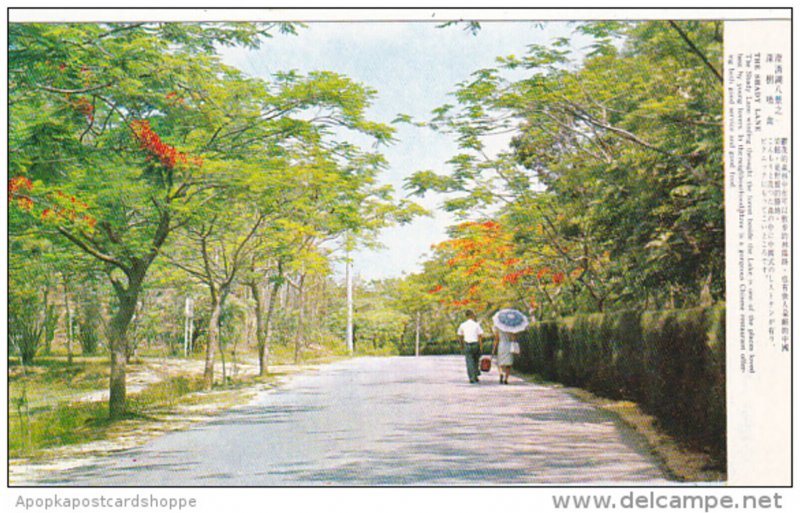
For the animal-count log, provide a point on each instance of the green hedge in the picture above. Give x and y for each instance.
(430, 347)
(670, 362)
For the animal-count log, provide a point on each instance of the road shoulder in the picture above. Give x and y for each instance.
(199, 407)
(681, 463)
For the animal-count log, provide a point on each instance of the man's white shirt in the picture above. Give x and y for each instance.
(470, 330)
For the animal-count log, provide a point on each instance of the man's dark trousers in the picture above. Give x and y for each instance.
(473, 353)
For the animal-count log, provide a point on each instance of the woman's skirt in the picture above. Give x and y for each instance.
(504, 356)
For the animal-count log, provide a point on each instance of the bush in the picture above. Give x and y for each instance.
(88, 332)
(671, 362)
(25, 328)
(25, 336)
(407, 346)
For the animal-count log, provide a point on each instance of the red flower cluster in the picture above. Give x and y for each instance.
(542, 272)
(16, 187)
(166, 154)
(72, 199)
(476, 266)
(173, 96)
(19, 183)
(488, 225)
(434, 290)
(70, 214)
(25, 203)
(514, 277)
(558, 278)
(70, 210)
(86, 107)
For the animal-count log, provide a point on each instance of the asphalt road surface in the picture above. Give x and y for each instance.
(389, 421)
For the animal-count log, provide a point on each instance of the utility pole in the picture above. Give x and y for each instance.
(349, 279)
(188, 327)
(416, 351)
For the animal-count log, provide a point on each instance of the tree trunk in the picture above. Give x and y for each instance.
(264, 323)
(69, 319)
(298, 339)
(222, 360)
(263, 350)
(128, 296)
(212, 339)
(118, 330)
(48, 328)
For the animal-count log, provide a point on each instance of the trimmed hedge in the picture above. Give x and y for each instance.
(407, 347)
(670, 362)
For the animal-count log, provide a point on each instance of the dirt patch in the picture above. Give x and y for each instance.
(192, 410)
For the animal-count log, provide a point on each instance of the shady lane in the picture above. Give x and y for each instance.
(389, 421)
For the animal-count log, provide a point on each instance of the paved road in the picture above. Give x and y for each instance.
(389, 421)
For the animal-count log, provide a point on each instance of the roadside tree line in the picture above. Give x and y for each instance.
(609, 194)
(143, 167)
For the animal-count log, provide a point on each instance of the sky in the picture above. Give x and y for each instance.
(413, 66)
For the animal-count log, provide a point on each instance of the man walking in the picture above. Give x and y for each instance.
(470, 332)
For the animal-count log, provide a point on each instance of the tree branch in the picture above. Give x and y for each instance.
(120, 29)
(194, 272)
(58, 90)
(697, 51)
(93, 251)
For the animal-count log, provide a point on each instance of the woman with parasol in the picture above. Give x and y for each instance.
(507, 323)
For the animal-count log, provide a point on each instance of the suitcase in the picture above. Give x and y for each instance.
(486, 363)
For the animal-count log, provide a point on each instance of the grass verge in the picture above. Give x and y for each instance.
(68, 423)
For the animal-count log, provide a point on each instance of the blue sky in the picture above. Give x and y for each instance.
(413, 66)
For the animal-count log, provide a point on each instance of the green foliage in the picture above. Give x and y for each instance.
(133, 141)
(50, 324)
(90, 321)
(232, 323)
(614, 170)
(377, 325)
(67, 423)
(160, 322)
(685, 390)
(25, 330)
(33, 264)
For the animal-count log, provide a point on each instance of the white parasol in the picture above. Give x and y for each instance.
(510, 320)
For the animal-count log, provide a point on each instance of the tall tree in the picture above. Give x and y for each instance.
(97, 114)
(615, 162)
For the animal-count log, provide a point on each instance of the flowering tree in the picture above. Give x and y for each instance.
(99, 114)
(613, 170)
(475, 268)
